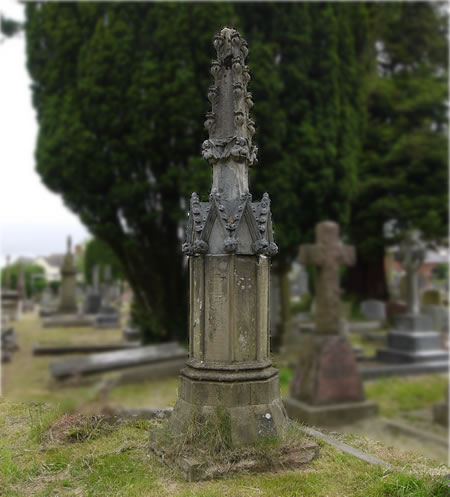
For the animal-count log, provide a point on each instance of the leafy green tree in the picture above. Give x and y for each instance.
(403, 170)
(120, 95)
(33, 276)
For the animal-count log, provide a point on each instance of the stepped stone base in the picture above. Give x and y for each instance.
(413, 346)
(413, 322)
(254, 407)
(329, 415)
(402, 356)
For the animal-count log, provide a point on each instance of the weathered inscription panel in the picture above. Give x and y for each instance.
(217, 319)
(244, 289)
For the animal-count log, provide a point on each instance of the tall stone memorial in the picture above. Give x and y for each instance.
(326, 388)
(412, 338)
(68, 304)
(229, 243)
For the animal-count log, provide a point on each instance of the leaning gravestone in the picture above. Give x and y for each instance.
(374, 310)
(411, 339)
(229, 242)
(326, 388)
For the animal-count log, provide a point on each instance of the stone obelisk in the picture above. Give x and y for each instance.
(229, 242)
(68, 304)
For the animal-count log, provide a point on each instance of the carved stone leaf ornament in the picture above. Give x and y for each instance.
(245, 226)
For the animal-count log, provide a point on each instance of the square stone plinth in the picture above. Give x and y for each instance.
(404, 356)
(413, 322)
(414, 341)
(329, 415)
(254, 408)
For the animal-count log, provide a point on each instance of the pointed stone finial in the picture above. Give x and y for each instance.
(229, 125)
(230, 223)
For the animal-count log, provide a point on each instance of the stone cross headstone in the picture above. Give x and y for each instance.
(229, 242)
(326, 388)
(68, 304)
(328, 254)
(411, 255)
(412, 338)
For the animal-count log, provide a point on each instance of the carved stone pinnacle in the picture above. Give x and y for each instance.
(229, 125)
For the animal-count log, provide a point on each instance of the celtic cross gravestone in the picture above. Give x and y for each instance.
(326, 388)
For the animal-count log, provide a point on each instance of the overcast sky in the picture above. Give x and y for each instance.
(33, 220)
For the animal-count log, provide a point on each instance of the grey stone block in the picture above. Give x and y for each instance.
(331, 414)
(413, 322)
(109, 361)
(417, 341)
(398, 356)
(404, 369)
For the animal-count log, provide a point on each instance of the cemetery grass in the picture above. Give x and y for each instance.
(44, 452)
(401, 394)
(27, 378)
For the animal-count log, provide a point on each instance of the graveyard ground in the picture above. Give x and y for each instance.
(88, 457)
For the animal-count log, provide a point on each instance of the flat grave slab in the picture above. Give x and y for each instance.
(121, 359)
(432, 367)
(59, 349)
(68, 320)
(361, 326)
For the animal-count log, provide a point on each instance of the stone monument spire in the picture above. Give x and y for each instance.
(229, 242)
(230, 223)
(67, 304)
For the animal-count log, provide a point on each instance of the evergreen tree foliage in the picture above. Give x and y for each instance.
(344, 132)
(119, 90)
(307, 62)
(403, 169)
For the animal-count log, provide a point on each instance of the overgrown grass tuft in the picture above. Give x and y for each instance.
(41, 417)
(209, 442)
(402, 485)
